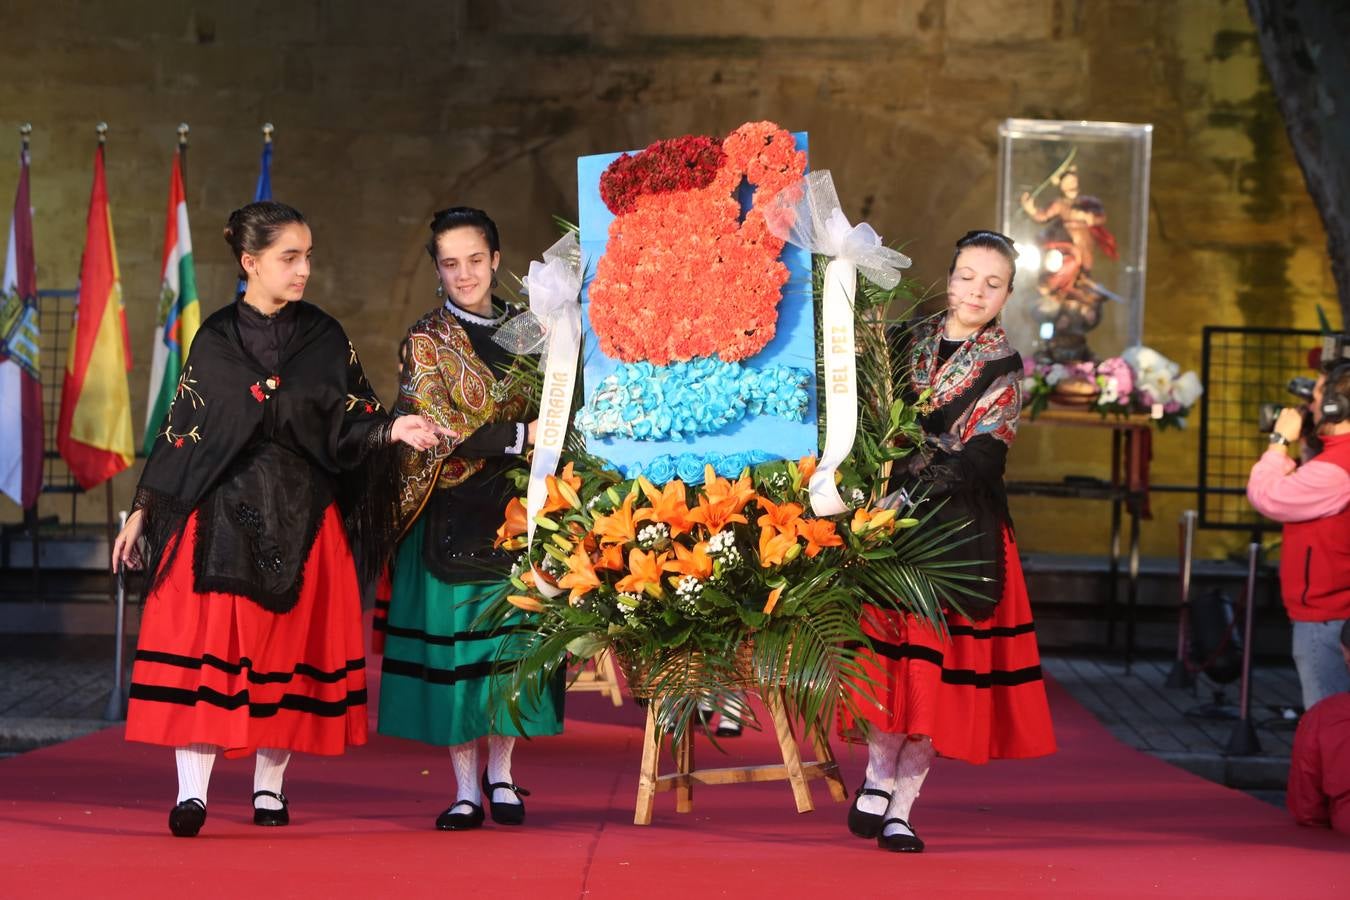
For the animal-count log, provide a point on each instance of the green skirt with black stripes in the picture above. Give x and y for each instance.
(437, 683)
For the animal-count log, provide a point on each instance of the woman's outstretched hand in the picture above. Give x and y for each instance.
(419, 432)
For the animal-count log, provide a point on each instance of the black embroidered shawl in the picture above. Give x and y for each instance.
(969, 421)
(261, 455)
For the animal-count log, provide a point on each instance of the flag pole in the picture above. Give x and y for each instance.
(109, 500)
(30, 514)
(183, 130)
(267, 130)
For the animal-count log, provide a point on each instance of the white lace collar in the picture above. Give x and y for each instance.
(472, 318)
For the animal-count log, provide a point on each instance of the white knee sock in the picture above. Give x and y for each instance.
(194, 770)
(499, 766)
(883, 755)
(268, 773)
(464, 759)
(916, 757)
(733, 713)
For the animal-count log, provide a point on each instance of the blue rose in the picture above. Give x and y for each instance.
(731, 465)
(660, 470)
(689, 468)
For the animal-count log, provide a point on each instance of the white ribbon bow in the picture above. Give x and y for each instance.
(808, 215)
(553, 286)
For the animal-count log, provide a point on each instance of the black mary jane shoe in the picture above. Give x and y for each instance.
(899, 843)
(727, 729)
(461, 821)
(504, 813)
(271, 816)
(187, 818)
(865, 824)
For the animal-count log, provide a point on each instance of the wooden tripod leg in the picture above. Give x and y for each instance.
(651, 752)
(792, 758)
(828, 766)
(684, 763)
(604, 664)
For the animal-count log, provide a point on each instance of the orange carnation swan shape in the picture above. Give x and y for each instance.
(684, 275)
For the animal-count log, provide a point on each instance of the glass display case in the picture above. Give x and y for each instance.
(1073, 196)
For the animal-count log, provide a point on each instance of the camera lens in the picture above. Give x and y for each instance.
(1265, 420)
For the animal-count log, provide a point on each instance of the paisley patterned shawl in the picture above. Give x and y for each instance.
(978, 390)
(443, 379)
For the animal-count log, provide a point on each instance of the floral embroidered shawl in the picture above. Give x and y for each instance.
(444, 380)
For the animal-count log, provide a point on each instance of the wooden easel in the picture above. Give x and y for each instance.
(600, 676)
(793, 770)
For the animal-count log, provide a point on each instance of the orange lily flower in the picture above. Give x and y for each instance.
(669, 504)
(865, 520)
(807, 467)
(558, 497)
(529, 604)
(784, 517)
(695, 562)
(580, 577)
(717, 514)
(773, 547)
(773, 599)
(720, 489)
(515, 523)
(819, 534)
(620, 526)
(644, 572)
(611, 557)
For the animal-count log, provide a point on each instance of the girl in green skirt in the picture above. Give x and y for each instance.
(440, 679)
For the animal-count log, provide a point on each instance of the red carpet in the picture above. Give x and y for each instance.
(87, 818)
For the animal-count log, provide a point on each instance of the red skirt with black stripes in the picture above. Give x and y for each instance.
(219, 669)
(978, 693)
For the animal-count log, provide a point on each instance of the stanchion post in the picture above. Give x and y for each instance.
(1181, 676)
(1243, 740)
(116, 710)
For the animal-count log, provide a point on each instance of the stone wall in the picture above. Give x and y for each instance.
(385, 112)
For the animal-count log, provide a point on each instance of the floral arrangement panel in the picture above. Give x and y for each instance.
(699, 332)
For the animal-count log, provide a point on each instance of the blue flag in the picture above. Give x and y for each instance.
(263, 191)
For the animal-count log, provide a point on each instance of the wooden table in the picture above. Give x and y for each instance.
(1131, 449)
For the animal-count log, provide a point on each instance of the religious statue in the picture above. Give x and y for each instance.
(1074, 230)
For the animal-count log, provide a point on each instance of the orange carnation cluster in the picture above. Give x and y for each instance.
(682, 276)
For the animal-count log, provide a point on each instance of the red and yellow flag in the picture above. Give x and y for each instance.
(94, 432)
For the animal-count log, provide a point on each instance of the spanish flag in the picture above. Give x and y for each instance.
(94, 433)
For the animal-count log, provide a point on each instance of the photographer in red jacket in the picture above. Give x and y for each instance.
(1313, 502)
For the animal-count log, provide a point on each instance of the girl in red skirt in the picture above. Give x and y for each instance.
(975, 693)
(267, 466)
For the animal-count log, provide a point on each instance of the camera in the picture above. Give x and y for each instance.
(1334, 351)
(1302, 388)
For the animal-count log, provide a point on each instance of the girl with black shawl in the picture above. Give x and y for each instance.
(975, 693)
(261, 490)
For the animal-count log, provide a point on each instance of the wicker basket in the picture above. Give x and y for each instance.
(638, 675)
